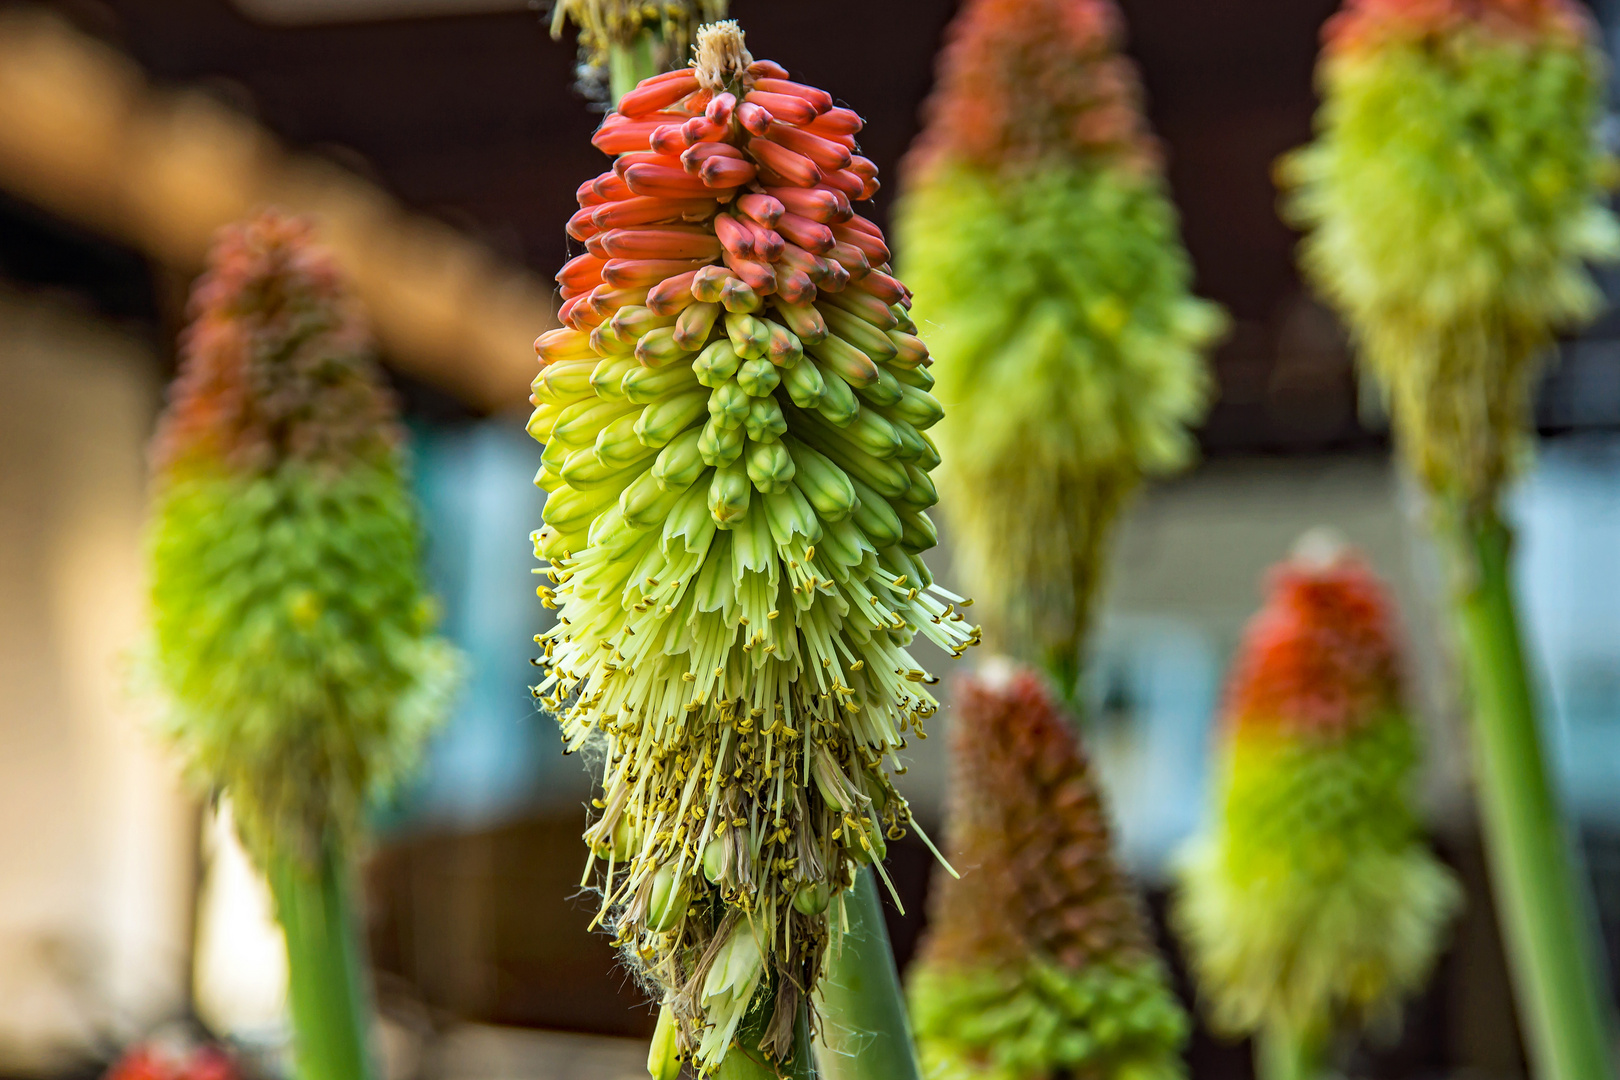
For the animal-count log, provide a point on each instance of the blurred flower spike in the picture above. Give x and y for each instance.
(1038, 962)
(1471, 124)
(1313, 901)
(292, 633)
(1043, 248)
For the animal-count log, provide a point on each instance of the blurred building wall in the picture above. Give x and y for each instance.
(96, 842)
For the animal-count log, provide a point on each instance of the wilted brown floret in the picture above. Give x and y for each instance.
(1031, 837)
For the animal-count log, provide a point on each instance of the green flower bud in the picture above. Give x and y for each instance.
(663, 420)
(609, 373)
(693, 326)
(749, 336)
(769, 466)
(659, 347)
(729, 404)
(644, 385)
(618, 446)
(729, 493)
(804, 385)
(758, 377)
(716, 364)
(812, 899)
(720, 445)
(827, 487)
(664, 1055)
(680, 462)
(860, 334)
(668, 900)
(764, 421)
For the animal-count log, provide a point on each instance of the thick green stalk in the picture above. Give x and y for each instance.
(1565, 1007)
(1282, 1052)
(327, 991)
(865, 1034)
(747, 1062)
(629, 64)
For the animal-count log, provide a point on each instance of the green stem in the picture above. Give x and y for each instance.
(327, 992)
(865, 1032)
(1062, 664)
(629, 64)
(1282, 1052)
(747, 1062)
(1563, 1004)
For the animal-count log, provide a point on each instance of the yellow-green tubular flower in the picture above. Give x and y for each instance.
(1452, 196)
(292, 632)
(1313, 900)
(737, 472)
(1040, 241)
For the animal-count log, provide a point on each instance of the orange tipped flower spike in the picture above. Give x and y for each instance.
(1040, 239)
(1313, 901)
(736, 460)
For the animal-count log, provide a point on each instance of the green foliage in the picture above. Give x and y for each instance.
(1108, 1021)
(1070, 365)
(292, 635)
(1315, 896)
(1452, 195)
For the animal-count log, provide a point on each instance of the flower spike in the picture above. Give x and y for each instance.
(1038, 962)
(735, 417)
(1041, 242)
(1313, 901)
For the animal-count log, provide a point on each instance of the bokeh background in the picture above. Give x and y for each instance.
(438, 144)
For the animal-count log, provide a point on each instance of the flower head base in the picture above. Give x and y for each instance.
(292, 632)
(1469, 123)
(1043, 250)
(666, 28)
(1312, 899)
(734, 423)
(1038, 961)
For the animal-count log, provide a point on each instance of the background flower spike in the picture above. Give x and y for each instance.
(1039, 961)
(1453, 196)
(1037, 231)
(1312, 903)
(733, 622)
(292, 634)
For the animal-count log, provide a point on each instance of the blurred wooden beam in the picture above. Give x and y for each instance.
(83, 135)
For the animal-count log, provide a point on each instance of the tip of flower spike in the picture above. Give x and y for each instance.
(1321, 654)
(1020, 79)
(720, 55)
(276, 363)
(1371, 24)
(1320, 549)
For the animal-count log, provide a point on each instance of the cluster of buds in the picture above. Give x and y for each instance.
(735, 417)
(1472, 124)
(1042, 245)
(1313, 900)
(1038, 962)
(292, 631)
